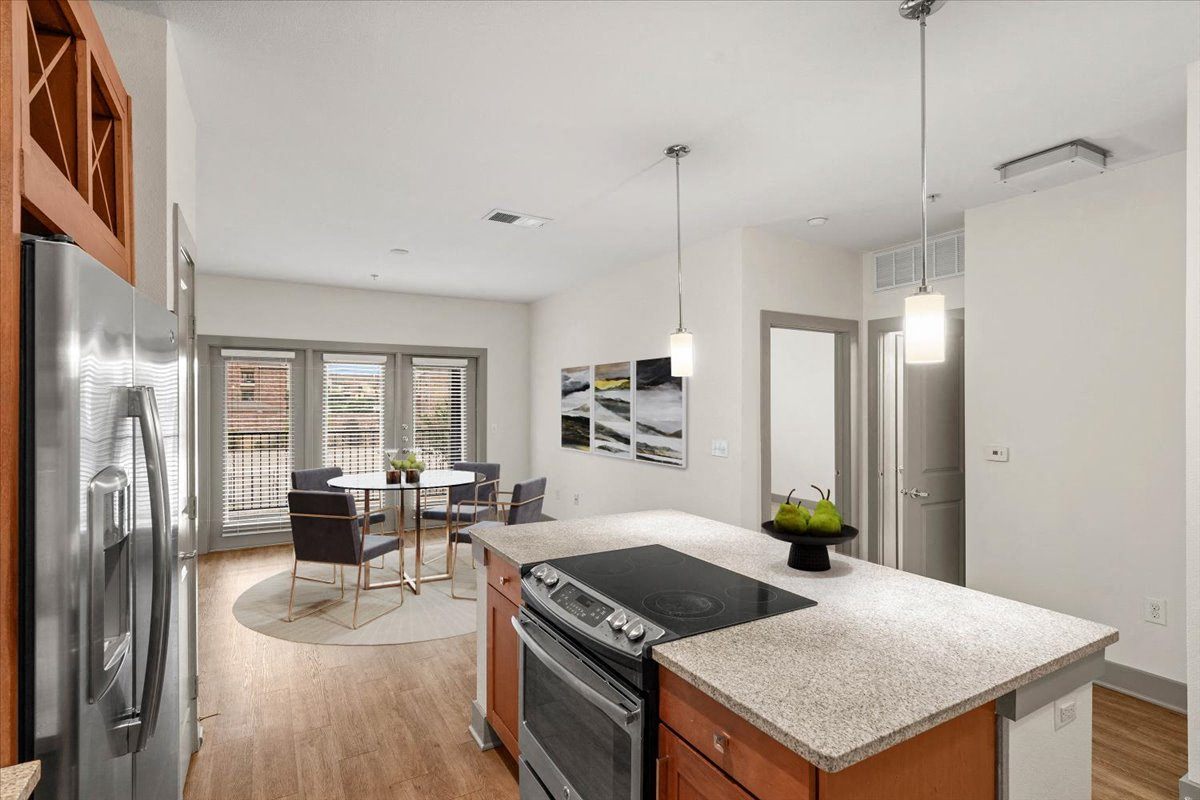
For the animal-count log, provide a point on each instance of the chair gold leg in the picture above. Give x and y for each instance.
(357, 592)
(292, 594)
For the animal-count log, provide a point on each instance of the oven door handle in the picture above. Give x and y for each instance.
(614, 711)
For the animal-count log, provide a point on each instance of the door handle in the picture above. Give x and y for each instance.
(143, 405)
(190, 554)
(916, 494)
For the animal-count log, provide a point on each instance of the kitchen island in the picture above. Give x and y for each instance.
(886, 670)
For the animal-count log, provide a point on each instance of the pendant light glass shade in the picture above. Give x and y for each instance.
(925, 328)
(681, 354)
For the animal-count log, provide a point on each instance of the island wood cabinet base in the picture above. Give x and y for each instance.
(503, 650)
(956, 759)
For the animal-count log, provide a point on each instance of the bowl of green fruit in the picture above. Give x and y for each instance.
(411, 465)
(809, 532)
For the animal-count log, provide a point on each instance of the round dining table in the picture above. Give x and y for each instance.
(368, 482)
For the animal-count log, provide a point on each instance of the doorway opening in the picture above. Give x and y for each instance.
(806, 413)
(916, 507)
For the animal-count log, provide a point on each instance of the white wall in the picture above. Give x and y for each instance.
(228, 306)
(782, 274)
(1192, 372)
(1075, 361)
(628, 314)
(164, 138)
(803, 414)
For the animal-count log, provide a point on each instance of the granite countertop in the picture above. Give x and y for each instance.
(18, 781)
(882, 657)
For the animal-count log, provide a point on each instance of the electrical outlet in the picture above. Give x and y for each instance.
(1154, 609)
(577, 498)
(1064, 712)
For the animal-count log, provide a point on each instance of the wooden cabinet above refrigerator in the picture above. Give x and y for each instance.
(75, 131)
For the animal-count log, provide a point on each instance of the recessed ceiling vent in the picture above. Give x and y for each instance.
(901, 266)
(513, 218)
(1055, 166)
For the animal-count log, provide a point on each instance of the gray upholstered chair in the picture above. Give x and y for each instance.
(317, 480)
(326, 529)
(468, 503)
(524, 505)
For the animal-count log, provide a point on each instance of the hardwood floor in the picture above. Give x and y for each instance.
(1139, 750)
(286, 720)
(290, 721)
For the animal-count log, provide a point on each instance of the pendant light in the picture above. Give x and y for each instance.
(682, 355)
(925, 311)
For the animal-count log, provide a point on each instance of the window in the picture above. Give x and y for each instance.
(258, 440)
(440, 412)
(353, 410)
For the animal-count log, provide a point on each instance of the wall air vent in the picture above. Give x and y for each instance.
(512, 218)
(901, 266)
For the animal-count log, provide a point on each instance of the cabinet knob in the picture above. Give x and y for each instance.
(503, 579)
(720, 741)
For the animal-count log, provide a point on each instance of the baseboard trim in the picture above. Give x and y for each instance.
(1188, 789)
(1146, 686)
(481, 731)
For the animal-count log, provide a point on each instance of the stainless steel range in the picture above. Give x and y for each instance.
(588, 695)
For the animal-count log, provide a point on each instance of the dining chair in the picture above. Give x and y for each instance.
(524, 505)
(470, 502)
(317, 480)
(326, 529)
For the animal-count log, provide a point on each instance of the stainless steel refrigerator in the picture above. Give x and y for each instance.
(99, 661)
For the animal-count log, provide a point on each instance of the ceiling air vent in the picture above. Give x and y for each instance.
(512, 218)
(1055, 166)
(901, 266)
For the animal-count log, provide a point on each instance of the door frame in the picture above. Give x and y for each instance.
(845, 357)
(183, 262)
(876, 328)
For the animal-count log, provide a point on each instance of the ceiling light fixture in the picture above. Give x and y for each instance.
(925, 311)
(398, 251)
(682, 352)
(817, 222)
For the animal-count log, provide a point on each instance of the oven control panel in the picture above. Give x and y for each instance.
(581, 605)
(589, 612)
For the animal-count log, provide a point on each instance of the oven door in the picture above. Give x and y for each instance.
(581, 731)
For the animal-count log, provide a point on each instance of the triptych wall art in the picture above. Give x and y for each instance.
(626, 409)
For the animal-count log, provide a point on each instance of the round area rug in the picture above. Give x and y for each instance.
(433, 614)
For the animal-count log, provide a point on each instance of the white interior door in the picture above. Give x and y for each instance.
(931, 475)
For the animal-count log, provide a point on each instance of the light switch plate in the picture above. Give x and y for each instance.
(720, 448)
(996, 452)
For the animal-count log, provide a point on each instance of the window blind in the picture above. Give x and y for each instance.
(258, 441)
(439, 402)
(353, 404)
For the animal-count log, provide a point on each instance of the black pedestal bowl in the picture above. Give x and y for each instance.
(810, 551)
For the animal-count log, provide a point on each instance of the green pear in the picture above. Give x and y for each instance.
(825, 504)
(791, 518)
(825, 522)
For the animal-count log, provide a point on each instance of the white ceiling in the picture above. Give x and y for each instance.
(330, 132)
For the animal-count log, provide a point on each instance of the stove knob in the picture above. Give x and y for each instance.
(618, 620)
(636, 632)
(539, 572)
(551, 578)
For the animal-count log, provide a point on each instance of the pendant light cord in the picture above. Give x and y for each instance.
(678, 244)
(924, 177)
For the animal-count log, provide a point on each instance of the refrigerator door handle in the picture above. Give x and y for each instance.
(143, 405)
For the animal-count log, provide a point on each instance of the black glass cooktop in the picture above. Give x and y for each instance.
(680, 593)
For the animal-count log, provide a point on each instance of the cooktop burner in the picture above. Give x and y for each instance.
(679, 604)
(682, 594)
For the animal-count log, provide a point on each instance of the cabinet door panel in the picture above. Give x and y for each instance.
(684, 774)
(503, 669)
